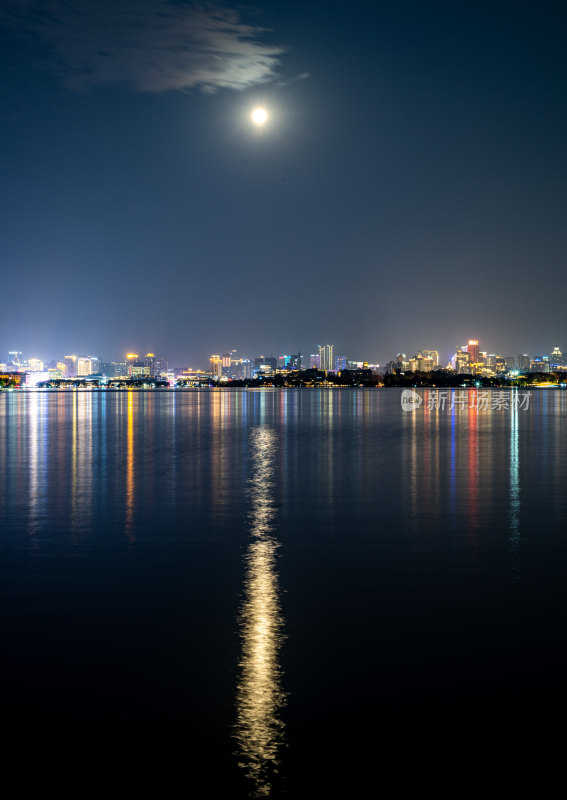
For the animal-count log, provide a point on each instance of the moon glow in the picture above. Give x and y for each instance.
(259, 116)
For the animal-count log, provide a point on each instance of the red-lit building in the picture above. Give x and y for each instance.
(472, 349)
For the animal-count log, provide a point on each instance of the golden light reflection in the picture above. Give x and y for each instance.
(259, 731)
(75, 519)
(130, 467)
(514, 539)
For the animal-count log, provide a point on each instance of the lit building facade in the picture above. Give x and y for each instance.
(326, 361)
(472, 350)
(433, 355)
(71, 366)
(83, 366)
(215, 363)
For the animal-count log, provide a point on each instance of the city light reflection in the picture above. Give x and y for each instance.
(130, 468)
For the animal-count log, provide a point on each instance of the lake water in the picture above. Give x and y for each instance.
(277, 592)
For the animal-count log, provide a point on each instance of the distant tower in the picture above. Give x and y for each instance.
(15, 357)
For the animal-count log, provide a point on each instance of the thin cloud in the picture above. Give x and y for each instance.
(301, 77)
(152, 45)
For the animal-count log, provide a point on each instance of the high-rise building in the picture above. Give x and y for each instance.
(240, 369)
(340, 363)
(433, 355)
(523, 362)
(265, 364)
(150, 363)
(117, 369)
(314, 361)
(35, 365)
(539, 364)
(462, 361)
(295, 361)
(326, 361)
(420, 363)
(472, 350)
(15, 357)
(83, 366)
(215, 362)
(71, 363)
(557, 359)
(137, 367)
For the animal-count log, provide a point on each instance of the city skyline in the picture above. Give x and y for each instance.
(231, 364)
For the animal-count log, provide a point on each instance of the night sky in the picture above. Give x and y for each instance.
(408, 192)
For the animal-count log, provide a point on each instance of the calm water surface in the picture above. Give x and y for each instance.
(280, 592)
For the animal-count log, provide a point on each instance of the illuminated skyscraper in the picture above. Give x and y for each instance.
(557, 358)
(462, 361)
(71, 363)
(83, 366)
(472, 349)
(137, 367)
(433, 355)
(150, 362)
(265, 364)
(216, 366)
(326, 357)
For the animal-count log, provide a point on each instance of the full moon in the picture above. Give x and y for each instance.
(259, 116)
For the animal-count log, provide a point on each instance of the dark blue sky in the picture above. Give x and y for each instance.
(409, 191)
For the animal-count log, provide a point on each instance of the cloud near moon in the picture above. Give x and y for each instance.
(152, 45)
